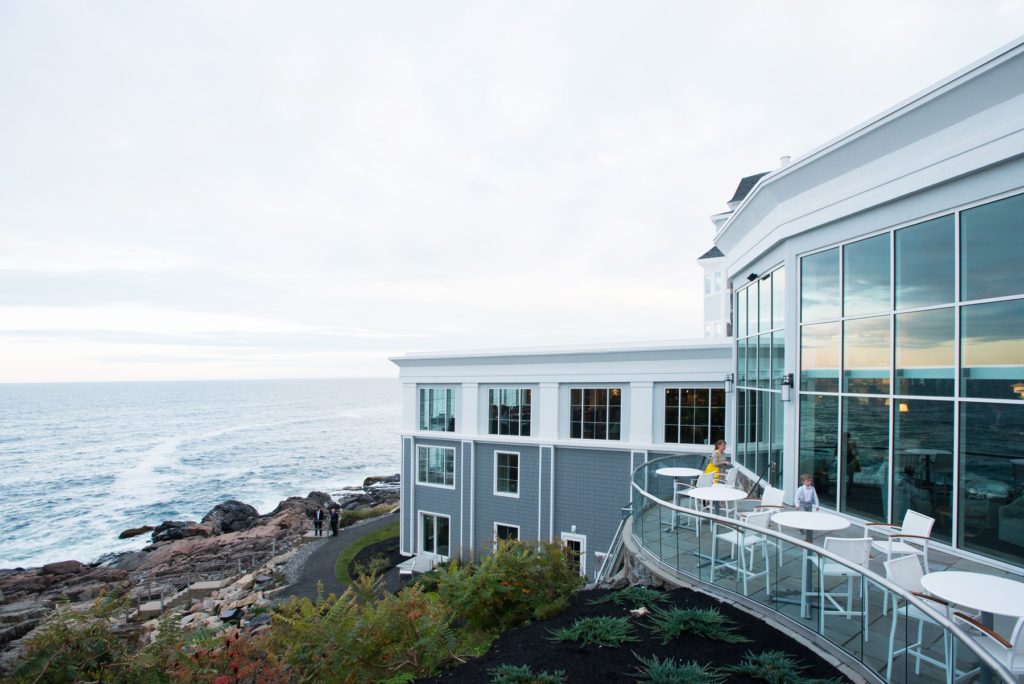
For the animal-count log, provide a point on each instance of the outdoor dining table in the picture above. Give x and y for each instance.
(985, 593)
(810, 522)
(716, 494)
(678, 474)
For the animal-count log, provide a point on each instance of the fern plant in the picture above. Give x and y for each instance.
(672, 622)
(655, 671)
(636, 596)
(511, 674)
(603, 631)
(776, 667)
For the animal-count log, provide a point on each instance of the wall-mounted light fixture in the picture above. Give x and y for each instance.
(1018, 388)
(728, 383)
(787, 386)
(752, 277)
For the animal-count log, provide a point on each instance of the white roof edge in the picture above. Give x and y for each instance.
(598, 348)
(916, 99)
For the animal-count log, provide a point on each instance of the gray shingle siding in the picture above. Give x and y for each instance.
(492, 508)
(438, 500)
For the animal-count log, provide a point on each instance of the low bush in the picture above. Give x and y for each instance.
(349, 517)
(670, 623)
(602, 631)
(776, 667)
(655, 671)
(375, 566)
(510, 674)
(520, 581)
(636, 596)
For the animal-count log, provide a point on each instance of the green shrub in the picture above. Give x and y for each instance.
(670, 623)
(776, 667)
(510, 674)
(520, 581)
(375, 566)
(603, 631)
(349, 517)
(636, 596)
(666, 671)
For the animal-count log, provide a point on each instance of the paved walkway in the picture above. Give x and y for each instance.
(320, 566)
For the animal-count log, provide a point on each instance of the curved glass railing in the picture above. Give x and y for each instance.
(891, 632)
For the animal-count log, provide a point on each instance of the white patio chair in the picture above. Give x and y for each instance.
(1010, 653)
(744, 543)
(858, 552)
(911, 539)
(704, 480)
(906, 572)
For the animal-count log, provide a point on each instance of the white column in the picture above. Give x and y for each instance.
(469, 420)
(641, 412)
(410, 407)
(548, 414)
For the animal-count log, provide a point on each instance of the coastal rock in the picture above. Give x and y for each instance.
(135, 532)
(231, 516)
(62, 568)
(171, 530)
(389, 479)
(259, 620)
(321, 498)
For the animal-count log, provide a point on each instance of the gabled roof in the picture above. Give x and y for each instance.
(712, 253)
(746, 185)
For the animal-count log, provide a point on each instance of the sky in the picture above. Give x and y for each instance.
(222, 190)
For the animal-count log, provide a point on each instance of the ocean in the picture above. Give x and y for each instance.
(81, 462)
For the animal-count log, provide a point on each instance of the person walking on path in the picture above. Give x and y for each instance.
(334, 522)
(318, 522)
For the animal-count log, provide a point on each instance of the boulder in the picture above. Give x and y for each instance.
(231, 615)
(212, 622)
(322, 498)
(259, 620)
(62, 568)
(231, 516)
(135, 532)
(171, 530)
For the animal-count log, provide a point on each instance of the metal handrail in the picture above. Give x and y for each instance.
(986, 657)
(613, 552)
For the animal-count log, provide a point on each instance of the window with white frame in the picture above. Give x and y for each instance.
(436, 466)
(577, 544)
(694, 415)
(508, 412)
(504, 532)
(718, 281)
(596, 413)
(707, 283)
(506, 473)
(437, 410)
(434, 536)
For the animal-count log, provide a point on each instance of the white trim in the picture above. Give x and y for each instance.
(419, 544)
(434, 484)
(582, 539)
(602, 444)
(551, 497)
(519, 462)
(517, 529)
(472, 497)
(540, 490)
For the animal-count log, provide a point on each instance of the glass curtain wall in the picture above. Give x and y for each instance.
(760, 367)
(912, 376)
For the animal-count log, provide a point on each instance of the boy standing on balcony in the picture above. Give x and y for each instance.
(806, 498)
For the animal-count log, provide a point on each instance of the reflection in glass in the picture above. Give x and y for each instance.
(991, 245)
(741, 426)
(819, 416)
(766, 304)
(866, 276)
(757, 429)
(991, 520)
(866, 355)
(865, 457)
(923, 468)
(819, 286)
(751, 362)
(992, 350)
(925, 352)
(595, 413)
(741, 314)
(925, 256)
(776, 439)
(819, 357)
(764, 361)
(778, 358)
(752, 310)
(779, 298)
(741, 362)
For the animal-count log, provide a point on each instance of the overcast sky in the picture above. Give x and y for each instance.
(194, 190)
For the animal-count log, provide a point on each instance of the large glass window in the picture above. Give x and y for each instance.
(741, 313)
(435, 534)
(925, 353)
(925, 268)
(437, 410)
(506, 473)
(819, 286)
(865, 457)
(992, 350)
(923, 468)
(596, 413)
(779, 298)
(778, 359)
(991, 516)
(777, 433)
(436, 466)
(866, 355)
(752, 308)
(819, 448)
(866, 276)
(764, 361)
(991, 246)
(694, 415)
(819, 357)
(741, 362)
(509, 412)
(765, 307)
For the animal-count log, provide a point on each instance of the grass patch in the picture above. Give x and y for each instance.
(510, 674)
(669, 624)
(350, 551)
(603, 631)
(666, 671)
(349, 517)
(638, 596)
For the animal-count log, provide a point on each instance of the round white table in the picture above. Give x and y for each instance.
(716, 494)
(810, 522)
(678, 474)
(978, 591)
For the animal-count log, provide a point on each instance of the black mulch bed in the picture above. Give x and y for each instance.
(529, 645)
(392, 582)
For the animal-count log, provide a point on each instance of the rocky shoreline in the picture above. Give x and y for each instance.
(232, 541)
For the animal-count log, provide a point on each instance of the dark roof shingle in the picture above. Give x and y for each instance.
(712, 253)
(746, 185)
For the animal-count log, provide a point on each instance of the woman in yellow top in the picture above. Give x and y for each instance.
(717, 458)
